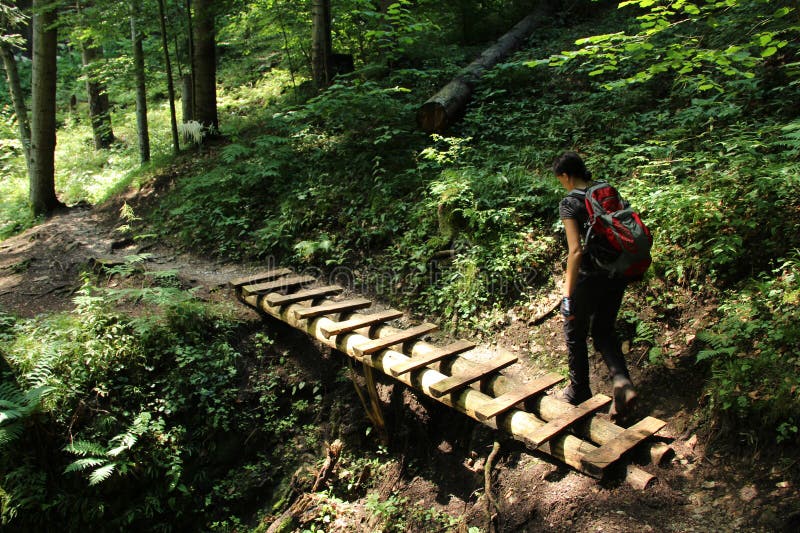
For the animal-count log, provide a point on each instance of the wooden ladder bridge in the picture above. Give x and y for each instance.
(571, 434)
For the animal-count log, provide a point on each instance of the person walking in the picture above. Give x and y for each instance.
(591, 299)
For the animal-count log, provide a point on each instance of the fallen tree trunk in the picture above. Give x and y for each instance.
(443, 108)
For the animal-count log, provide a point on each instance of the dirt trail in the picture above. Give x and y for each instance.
(700, 491)
(40, 268)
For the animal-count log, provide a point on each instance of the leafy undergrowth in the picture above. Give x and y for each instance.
(460, 227)
(147, 409)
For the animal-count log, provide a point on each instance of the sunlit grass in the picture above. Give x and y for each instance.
(244, 106)
(83, 174)
(86, 174)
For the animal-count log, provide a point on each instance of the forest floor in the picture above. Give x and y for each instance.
(704, 488)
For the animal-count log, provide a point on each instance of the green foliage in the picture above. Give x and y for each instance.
(704, 45)
(753, 351)
(148, 407)
(17, 406)
(398, 514)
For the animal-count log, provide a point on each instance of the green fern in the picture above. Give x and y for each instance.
(105, 460)
(85, 448)
(718, 345)
(101, 474)
(234, 152)
(15, 407)
(83, 464)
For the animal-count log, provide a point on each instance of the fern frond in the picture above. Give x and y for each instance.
(10, 391)
(137, 258)
(83, 464)
(85, 448)
(234, 152)
(10, 412)
(127, 441)
(9, 433)
(35, 396)
(101, 474)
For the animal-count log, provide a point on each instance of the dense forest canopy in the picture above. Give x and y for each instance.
(284, 132)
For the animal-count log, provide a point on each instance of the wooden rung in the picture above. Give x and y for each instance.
(347, 326)
(261, 276)
(460, 346)
(301, 296)
(503, 403)
(332, 307)
(596, 461)
(557, 425)
(376, 345)
(455, 383)
(277, 285)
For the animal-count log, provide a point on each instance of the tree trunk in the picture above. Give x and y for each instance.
(187, 100)
(43, 110)
(141, 87)
(443, 108)
(18, 99)
(205, 67)
(189, 31)
(170, 87)
(321, 43)
(99, 107)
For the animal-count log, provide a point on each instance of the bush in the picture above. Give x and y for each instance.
(753, 352)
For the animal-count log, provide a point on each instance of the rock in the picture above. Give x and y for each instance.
(748, 493)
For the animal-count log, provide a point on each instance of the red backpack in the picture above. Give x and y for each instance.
(617, 240)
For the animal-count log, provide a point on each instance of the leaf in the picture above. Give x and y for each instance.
(234, 152)
(85, 448)
(769, 51)
(83, 464)
(102, 474)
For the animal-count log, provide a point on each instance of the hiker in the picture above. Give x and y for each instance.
(591, 297)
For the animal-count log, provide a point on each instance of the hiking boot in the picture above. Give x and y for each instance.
(574, 394)
(624, 397)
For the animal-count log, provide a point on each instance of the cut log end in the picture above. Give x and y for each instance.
(432, 117)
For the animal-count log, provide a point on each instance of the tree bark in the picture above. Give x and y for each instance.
(446, 106)
(141, 85)
(189, 32)
(187, 100)
(205, 65)
(43, 110)
(18, 99)
(321, 43)
(99, 108)
(176, 147)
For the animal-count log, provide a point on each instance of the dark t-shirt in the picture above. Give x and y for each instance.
(574, 207)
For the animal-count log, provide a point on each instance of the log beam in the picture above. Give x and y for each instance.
(445, 107)
(567, 448)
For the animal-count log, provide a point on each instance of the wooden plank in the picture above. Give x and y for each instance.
(332, 307)
(302, 296)
(347, 326)
(557, 425)
(376, 345)
(277, 285)
(596, 461)
(455, 383)
(261, 276)
(460, 346)
(503, 403)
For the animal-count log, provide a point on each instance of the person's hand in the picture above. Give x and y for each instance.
(567, 309)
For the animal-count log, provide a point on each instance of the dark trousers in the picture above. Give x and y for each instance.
(596, 301)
